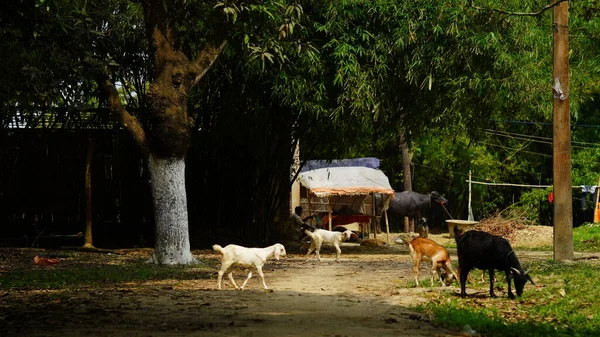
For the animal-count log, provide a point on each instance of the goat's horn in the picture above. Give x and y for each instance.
(517, 271)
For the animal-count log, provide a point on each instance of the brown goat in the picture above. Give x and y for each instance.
(423, 249)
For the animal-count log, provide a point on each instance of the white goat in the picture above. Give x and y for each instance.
(249, 257)
(320, 236)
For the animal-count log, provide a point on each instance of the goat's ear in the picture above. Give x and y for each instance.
(529, 278)
(277, 252)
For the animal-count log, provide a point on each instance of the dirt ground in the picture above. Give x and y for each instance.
(369, 293)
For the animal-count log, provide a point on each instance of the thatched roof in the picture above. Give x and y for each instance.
(338, 181)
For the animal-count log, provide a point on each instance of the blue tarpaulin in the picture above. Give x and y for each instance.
(370, 162)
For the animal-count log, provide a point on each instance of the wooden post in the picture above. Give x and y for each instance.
(563, 209)
(308, 204)
(330, 214)
(596, 205)
(470, 217)
(295, 197)
(374, 218)
(387, 227)
(597, 192)
(87, 238)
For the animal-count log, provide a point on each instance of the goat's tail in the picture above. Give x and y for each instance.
(218, 248)
(309, 233)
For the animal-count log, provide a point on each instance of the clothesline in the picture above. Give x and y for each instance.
(517, 185)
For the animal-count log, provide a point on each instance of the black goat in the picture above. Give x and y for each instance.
(485, 251)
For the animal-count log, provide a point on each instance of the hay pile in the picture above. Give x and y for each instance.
(504, 227)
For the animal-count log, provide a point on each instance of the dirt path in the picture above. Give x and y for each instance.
(361, 296)
(368, 294)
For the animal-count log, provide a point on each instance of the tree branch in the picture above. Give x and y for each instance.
(121, 115)
(558, 2)
(207, 58)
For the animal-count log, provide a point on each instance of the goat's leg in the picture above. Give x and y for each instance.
(310, 249)
(308, 253)
(508, 280)
(219, 279)
(317, 249)
(416, 267)
(262, 276)
(230, 275)
(338, 252)
(247, 278)
(464, 273)
(491, 272)
(224, 268)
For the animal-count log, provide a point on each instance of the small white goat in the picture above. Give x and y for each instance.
(320, 236)
(249, 257)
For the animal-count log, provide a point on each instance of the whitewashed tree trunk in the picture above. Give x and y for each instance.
(170, 211)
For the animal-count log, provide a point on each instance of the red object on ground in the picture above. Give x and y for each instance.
(44, 261)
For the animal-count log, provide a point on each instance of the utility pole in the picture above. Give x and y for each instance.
(563, 209)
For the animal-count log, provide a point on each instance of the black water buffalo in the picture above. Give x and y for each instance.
(411, 204)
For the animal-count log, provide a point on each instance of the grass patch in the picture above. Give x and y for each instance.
(563, 303)
(76, 276)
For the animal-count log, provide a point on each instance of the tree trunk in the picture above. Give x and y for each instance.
(409, 226)
(170, 211)
(166, 141)
(87, 238)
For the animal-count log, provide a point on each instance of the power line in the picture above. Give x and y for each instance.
(510, 184)
(538, 137)
(516, 185)
(542, 123)
(530, 139)
(515, 149)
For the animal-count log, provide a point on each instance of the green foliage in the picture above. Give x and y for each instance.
(347, 77)
(561, 304)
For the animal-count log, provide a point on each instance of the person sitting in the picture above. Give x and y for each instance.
(298, 221)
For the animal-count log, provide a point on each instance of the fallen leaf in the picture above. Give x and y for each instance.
(562, 292)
